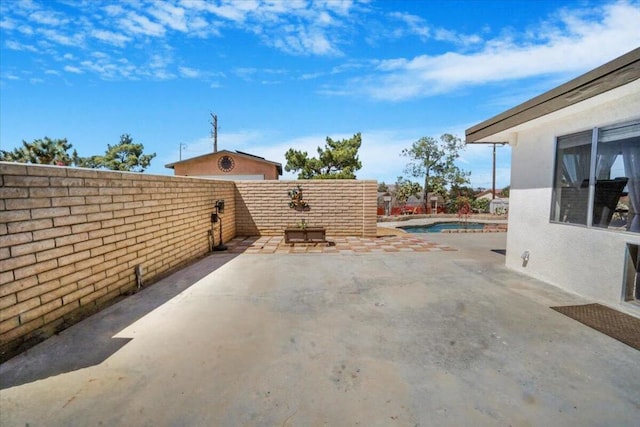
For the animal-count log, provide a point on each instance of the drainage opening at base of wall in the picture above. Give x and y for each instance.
(631, 291)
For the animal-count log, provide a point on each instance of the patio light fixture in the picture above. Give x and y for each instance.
(215, 217)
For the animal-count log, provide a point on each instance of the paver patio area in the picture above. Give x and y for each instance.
(436, 338)
(337, 245)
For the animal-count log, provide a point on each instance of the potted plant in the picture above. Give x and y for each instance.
(302, 232)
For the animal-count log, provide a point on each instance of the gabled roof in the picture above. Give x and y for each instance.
(235, 153)
(485, 192)
(611, 75)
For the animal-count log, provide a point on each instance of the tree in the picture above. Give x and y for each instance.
(339, 160)
(459, 194)
(124, 156)
(382, 187)
(481, 205)
(462, 191)
(45, 151)
(404, 189)
(435, 161)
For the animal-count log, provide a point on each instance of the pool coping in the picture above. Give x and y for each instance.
(435, 220)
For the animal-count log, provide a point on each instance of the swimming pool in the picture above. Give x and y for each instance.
(439, 226)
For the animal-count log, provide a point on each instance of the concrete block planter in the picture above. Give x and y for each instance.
(305, 235)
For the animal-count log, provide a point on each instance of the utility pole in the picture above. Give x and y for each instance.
(493, 188)
(182, 145)
(214, 132)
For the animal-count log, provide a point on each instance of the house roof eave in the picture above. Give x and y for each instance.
(235, 153)
(618, 72)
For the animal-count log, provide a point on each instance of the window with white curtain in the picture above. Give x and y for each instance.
(571, 189)
(597, 178)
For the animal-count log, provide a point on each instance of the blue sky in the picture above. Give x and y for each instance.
(283, 74)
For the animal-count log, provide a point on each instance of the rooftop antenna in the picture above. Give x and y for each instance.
(214, 132)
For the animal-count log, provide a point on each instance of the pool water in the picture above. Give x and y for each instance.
(439, 226)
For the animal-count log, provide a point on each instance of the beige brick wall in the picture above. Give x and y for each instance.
(343, 207)
(70, 239)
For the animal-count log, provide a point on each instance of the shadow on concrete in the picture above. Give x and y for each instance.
(90, 342)
(500, 251)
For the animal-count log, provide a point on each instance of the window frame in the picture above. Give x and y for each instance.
(555, 199)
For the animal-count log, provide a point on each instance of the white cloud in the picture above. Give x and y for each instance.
(7, 24)
(161, 74)
(114, 10)
(415, 25)
(48, 18)
(13, 45)
(72, 69)
(189, 72)
(103, 68)
(575, 44)
(570, 42)
(139, 24)
(245, 73)
(25, 29)
(169, 15)
(160, 61)
(200, 27)
(63, 39)
(302, 40)
(235, 11)
(27, 5)
(111, 37)
(296, 27)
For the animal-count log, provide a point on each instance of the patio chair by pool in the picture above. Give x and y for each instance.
(607, 195)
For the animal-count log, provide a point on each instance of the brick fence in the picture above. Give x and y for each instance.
(343, 207)
(71, 239)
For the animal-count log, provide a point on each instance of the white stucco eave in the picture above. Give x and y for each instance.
(623, 94)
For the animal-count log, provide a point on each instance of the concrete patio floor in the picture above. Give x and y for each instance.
(436, 338)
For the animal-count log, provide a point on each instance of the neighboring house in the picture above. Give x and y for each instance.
(488, 194)
(228, 165)
(499, 206)
(574, 215)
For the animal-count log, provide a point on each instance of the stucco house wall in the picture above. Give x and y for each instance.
(244, 166)
(587, 261)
